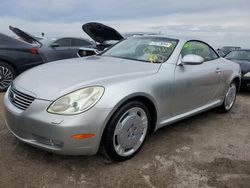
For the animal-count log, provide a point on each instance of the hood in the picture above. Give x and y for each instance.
(100, 33)
(244, 65)
(25, 36)
(52, 80)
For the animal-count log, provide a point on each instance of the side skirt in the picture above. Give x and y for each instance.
(188, 114)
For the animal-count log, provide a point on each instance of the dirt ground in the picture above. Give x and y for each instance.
(208, 150)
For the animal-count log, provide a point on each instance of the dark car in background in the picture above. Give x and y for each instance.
(57, 49)
(227, 49)
(16, 56)
(242, 57)
(63, 48)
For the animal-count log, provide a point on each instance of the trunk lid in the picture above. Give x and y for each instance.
(25, 36)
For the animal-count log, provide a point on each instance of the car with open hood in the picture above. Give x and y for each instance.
(114, 100)
(18, 55)
(103, 35)
(242, 57)
(54, 49)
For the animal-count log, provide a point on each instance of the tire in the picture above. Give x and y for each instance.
(7, 75)
(126, 131)
(230, 98)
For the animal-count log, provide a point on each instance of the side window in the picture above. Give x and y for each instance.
(79, 42)
(199, 48)
(66, 42)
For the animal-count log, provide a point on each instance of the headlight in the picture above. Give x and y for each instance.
(77, 101)
(247, 74)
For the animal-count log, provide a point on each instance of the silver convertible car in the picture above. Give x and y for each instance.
(112, 101)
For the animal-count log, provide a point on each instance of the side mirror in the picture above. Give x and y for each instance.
(192, 59)
(54, 45)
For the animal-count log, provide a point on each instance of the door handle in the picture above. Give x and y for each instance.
(218, 70)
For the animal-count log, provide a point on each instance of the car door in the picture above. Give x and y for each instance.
(63, 49)
(196, 85)
(56, 50)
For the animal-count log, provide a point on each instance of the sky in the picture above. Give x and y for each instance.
(218, 22)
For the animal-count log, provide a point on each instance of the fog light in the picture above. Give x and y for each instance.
(82, 136)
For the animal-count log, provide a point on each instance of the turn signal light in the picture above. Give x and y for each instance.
(82, 136)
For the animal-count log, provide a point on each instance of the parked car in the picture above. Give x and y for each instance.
(103, 35)
(16, 56)
(227, 49)
(115, 99)
(242, 57)
(52, 50)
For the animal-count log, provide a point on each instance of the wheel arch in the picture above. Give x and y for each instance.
(238, 82)
(145, 99)
(148, 102)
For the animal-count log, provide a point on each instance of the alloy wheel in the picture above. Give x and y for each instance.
(6, 77)
(230, 96)
(130, 131)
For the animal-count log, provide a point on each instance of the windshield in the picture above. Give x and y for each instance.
(146, 49)
(240, 55)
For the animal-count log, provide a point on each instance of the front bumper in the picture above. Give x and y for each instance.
(245, 83)
(51, 132)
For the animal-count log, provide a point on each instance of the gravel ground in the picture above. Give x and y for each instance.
(208, 150)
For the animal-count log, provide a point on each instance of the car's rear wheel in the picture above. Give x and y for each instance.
(230, 98)
(7, 75)
(126, 131)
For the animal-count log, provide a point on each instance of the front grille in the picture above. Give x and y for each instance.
(19, 99)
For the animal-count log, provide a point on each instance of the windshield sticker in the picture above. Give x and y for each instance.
(163, 44)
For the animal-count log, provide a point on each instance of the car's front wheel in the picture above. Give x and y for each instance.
(230, 97)
(126, 131)
(7, 75)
